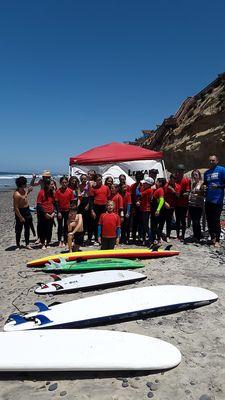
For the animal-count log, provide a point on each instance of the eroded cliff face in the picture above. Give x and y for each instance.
(195, 131)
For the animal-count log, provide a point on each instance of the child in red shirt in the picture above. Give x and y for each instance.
(109, 228)
(117, 200)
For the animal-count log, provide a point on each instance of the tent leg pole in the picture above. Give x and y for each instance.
(164, 169)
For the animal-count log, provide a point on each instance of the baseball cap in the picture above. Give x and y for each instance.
(149, 181)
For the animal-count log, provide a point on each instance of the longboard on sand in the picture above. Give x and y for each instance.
(118, 253)
(112, 307)
(88, 280)
(86, 350)
(91, 265)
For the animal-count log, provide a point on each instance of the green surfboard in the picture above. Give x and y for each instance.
(91, 265)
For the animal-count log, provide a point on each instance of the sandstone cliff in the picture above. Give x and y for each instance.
(196, 130)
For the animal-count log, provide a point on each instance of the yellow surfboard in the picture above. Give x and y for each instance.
(120, 253)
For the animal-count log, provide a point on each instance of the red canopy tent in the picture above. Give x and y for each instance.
(113, 153)
(115, 158)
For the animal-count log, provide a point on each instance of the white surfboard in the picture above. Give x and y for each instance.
(111, 307)
(86, 350)
(88, 280)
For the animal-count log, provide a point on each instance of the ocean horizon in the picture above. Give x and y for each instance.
(7, 179)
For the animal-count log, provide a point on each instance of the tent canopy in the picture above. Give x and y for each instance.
(114, 152)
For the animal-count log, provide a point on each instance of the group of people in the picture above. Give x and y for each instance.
(109, 213)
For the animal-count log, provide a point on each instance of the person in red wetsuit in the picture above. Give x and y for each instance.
(135, 191)
(109, 228)
(125, 225)
(157, 205)
(99, 195)
(117, 200)
(171, 194)
(181, 207)
(45, 210)
(63, 198)
(145, 206)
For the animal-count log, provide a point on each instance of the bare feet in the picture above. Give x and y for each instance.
(28, 247)
(37, 241)
(61, 244)
(44, 247)
(217, 245)
(17, 248)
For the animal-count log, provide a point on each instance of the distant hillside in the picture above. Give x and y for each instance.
(196, 130)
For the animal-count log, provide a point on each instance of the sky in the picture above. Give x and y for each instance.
(78, 74)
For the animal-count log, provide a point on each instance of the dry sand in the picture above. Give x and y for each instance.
(199, 333)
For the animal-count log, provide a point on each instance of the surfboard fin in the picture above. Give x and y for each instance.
(154, 247)
(57, 286)
(56, 277)
(168, 248)
(17, 318)
(43, 285)
(43, 319)
(41, 306)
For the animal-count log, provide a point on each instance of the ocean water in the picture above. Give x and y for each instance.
(7, 179)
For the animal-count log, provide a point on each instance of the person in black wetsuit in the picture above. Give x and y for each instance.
(22, 211)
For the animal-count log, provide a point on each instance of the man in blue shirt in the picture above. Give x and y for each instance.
(214, 181)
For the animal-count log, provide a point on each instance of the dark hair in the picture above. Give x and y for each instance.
(116, 186)
(83, 175)
(140, 174)
(153, 171)
(123, 176)
(92, 172)
(21, 181)
(72, 209)
(63, 178)
(73, 178)
(198, 172)
(106, 179)
(48, 192)
(162, 181)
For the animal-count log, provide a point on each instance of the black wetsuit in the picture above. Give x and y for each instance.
(26, 214)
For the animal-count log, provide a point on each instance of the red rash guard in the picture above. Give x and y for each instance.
(47, 202)
(126, 200)
(146, 196)
(64, 197)
(184, 187)
(118, 202)
(133, 188)
(170, 196)
(109, 222)
(101, 195)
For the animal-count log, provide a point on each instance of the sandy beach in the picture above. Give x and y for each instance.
(199, 333)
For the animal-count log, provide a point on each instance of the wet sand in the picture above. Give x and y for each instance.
(199, 333)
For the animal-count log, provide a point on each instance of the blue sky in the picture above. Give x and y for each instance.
(77, 74)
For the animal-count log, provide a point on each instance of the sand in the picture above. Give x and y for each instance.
(199, 333)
